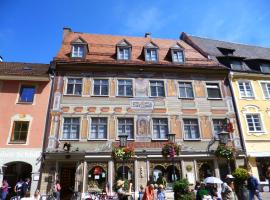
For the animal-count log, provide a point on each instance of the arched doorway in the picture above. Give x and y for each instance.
(158, 171)
(14, 171)
(205, 170)
(97, 178)
(170, 173)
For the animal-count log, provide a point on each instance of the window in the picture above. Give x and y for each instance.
(123, 53)
(101, 87)
(177, 56)
(266, 90)
(265, 68)
(218, 125)
(254, 122)
(19, 133)
(98, 128)
(71, 128)
(236, 65)
(191, 129)
(245, 89)
(151, 55)
(78, 50)
(185, 90)
(126, 126)
(124, 87)
(74, 86)
(160, 128)
(213, 91)
(157, 88)
(27, 94)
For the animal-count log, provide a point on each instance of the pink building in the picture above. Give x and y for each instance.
(24, 97)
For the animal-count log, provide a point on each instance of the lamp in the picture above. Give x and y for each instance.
(171, 137)
(223, 137)
(123, 140)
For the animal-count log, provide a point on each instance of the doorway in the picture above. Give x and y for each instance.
(67, 181)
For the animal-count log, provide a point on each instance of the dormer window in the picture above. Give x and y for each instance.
(226, 51)
(78, 50)
(151, 52)
(123, 50)
(177, 56)
(265, 68)
(237, 65)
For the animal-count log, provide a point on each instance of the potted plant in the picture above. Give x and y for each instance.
(224, 151)
(170, 150)
(181, 190)
(240, 175)
(122, 153)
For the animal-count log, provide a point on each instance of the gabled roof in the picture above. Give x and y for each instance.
(24, 69)
(210, 47)
(151, 45)
(123, 42)
(102, 51)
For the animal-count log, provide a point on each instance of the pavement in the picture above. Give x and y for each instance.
(266, 195)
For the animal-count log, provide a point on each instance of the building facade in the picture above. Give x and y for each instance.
(24, 97)
(146, 88)
(249, 77)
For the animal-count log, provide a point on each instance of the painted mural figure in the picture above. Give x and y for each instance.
(143, 127)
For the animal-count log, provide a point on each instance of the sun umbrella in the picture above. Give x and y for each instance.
(213, 179)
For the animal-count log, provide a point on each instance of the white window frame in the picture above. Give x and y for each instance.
(261, 123)
(90, 127)
(219, 87)
(75, 54)
(178, 86)
(268, 91)
(134, 127)
(128, 48)
(66, 84)
(183, 129)
(151, 54)
(132, 82)
(251, 86)
(62, 127)
(264, 65)
(177, 51)
(152, 128)
(93, 86)
(164, 86)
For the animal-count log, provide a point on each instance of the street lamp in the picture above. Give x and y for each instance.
(171, 138)
(223, 137)
(123, 143)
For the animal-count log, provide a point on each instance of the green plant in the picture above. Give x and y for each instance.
(122, 153)
(170, 149)
(224, 151)
(181, 190)
(240, 175)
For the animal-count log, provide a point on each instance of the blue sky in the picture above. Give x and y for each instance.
(31, 30)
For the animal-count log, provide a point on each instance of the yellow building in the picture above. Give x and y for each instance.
(249, 79)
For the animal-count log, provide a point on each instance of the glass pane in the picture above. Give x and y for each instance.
(104, 90)
(153, 91)
(27, 93)
(97, 89)
(70, 89)
(121, 90)
(78, 89)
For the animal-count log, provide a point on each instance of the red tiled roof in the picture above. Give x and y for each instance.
(23, 69)
(102, 50)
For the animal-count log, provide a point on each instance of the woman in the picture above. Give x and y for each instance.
(149, 193)
(57, 189)
(4, 189)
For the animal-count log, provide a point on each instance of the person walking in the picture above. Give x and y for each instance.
(161, 193)
(228, 192)
(57, 188)
(26, 188)
(4, 189)
(19, 188)
(149, 193)
(253, 187)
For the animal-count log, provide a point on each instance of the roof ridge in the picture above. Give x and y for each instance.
(11, 62)
(237, 43)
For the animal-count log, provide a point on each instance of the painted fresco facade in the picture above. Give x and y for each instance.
(24, 96)
(99, 96)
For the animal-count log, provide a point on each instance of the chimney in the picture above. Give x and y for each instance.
(1, 59)
(66, 31)
(147, 35)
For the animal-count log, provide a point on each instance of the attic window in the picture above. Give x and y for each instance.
(265, 68)
(236, 65)
(151, 52)
(226, 51)
(78, 51)
(123, 50)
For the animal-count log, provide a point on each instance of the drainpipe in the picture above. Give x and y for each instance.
(237, 113)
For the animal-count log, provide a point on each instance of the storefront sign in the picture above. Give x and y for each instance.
(142, 104)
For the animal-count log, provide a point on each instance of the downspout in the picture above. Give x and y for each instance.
(47, 122)
(237, 113)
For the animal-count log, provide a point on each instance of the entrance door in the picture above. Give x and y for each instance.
(15, 171)
(67, 181)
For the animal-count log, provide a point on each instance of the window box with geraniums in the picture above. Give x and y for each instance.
(224, 151)
(122, 153)
(170, 150)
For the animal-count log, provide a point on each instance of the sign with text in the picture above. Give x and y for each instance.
(142, 104)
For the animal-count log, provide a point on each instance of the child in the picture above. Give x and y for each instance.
(161, 193)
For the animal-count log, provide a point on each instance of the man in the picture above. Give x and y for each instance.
(253, 187)
(19, 188)
(26, 188)
(228, 188)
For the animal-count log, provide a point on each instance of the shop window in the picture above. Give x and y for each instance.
(97, 177)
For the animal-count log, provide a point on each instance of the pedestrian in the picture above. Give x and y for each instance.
(161, 180)
(141, 192)
(149, 192)
(57, 189)
(155, 191)
(122, 194)
(4, 189)
(161, 193)
(26, 188)
(19, 188)
(228, 192)
(202, 192)
(253, 187)
(268, 176)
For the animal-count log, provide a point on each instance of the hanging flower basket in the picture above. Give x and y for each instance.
(224, 151)
(170, 150)
(122, 153)
(230, 128)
